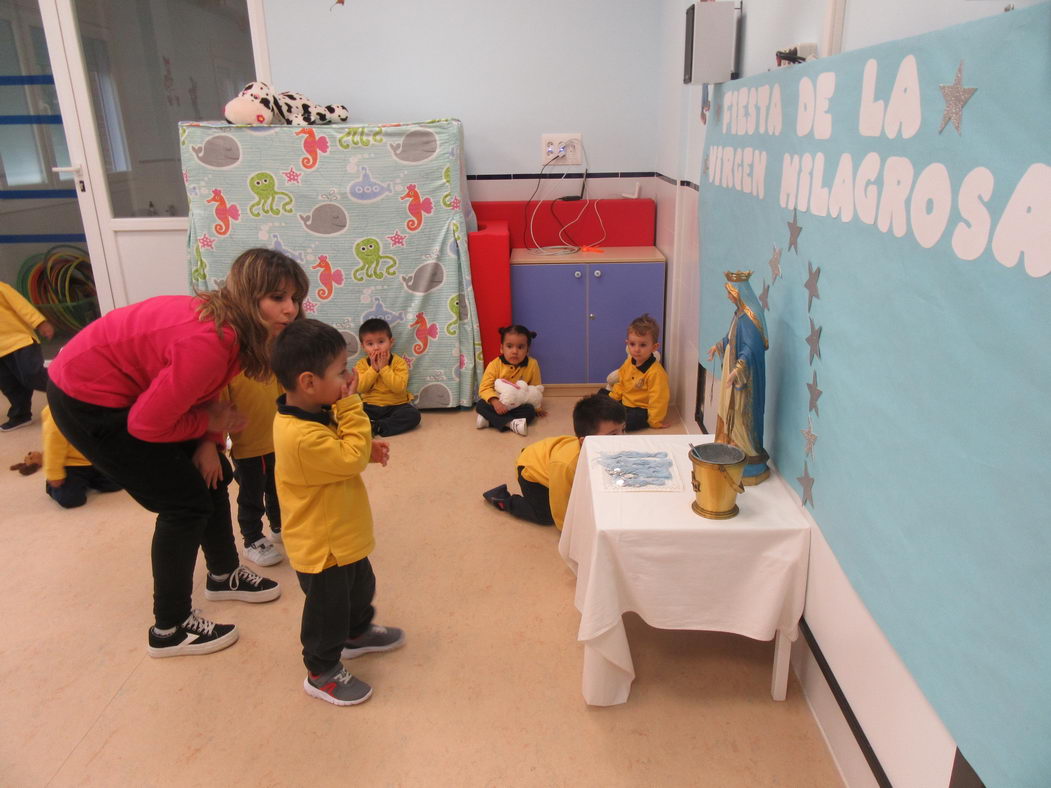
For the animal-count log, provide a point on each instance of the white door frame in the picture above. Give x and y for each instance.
(101, 228)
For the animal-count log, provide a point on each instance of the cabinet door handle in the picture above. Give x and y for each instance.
(591, 317)
(577, 274)
(598, 274)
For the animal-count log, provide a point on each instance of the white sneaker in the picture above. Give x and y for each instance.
(275, 537)
(263, 553)
(481, 422)
(519, 427)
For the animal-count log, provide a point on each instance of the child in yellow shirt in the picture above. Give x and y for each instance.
(546, 468)
(68, 475)
(512, 364)
(21, 361)
(383, 381)
(643, 384)
(252, 450)
(323, 441)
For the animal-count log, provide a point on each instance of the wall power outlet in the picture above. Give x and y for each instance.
(561, 149)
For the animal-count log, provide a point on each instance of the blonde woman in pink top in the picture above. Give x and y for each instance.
(137, 392)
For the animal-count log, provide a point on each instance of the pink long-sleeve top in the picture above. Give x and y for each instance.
(156, 358)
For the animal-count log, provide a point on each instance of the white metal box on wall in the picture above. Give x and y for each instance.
(711, 36)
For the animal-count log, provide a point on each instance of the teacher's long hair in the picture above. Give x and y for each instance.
(254, 274)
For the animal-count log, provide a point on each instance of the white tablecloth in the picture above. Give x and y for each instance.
(649, 553)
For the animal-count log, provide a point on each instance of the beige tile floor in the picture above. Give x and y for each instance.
(486, 691)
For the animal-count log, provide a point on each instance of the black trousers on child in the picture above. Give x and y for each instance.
(637, 418)
(338, 606)
(256, 496)
(79, 479)
(527, 412)
(392, 419)
(534, 504)
(21, 373)
(164, 480)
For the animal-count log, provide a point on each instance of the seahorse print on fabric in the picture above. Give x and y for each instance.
(225, 214)
(425, 332)
(313, 147)
(417, 207)
(329, 277)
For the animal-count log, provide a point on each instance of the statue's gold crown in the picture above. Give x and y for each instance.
(737, 276)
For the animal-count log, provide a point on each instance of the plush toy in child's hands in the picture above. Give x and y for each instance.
(613, 378)
(258, 104)
(32, 463)
(519, 393)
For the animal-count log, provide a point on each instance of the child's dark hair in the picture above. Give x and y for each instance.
(517, 329)
(375, 325)
(305, 346)
(644, 325)
(591, 411)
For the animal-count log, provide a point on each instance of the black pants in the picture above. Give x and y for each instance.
(79, 479)
(392, 419)
(637, 418)
(338, 606)
(527, 412)
(164, 480)
(256, 496)
(534, 504)
(21, 373)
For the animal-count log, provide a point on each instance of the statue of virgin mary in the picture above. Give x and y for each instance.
(742, 386)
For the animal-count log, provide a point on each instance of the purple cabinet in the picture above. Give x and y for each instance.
(581, 312)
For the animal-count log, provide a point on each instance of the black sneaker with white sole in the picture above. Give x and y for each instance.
(195, 635)
(242, 584)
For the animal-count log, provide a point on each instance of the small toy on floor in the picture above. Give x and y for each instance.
(519, 393)
(32, 463)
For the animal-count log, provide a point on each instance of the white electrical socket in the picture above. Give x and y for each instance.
(559, 150)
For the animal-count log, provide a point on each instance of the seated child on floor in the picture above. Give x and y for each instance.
(546, 468)
(643, 384)
(252, 450)
(323, 443)
(512, 364)
(67, 474)
(383, 381)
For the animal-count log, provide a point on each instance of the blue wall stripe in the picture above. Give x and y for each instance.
(13, 120)
(28, 79)
(36, 194)
(44, 239)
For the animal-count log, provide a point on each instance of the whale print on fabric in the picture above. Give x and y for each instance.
(418, 146)
(218, 152)
(327, 218)
(434, 395)
(425, 278)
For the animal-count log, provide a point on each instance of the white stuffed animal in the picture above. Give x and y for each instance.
(258, 104)
(613, 378)
(519, 393)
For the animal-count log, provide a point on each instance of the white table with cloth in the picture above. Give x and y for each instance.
(644, 550)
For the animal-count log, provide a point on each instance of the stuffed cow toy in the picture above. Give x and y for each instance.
(259, 105)
(519, 393)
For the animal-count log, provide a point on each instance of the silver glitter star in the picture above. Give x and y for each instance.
(955, 95)
(808, 433)
(815, 394)
(814, 340)
(775, 265)
(806, 481)
(705, 169)
(764, 297)
(811, 284)
(793, 232)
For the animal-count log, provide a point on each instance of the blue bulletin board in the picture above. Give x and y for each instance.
(894, 205)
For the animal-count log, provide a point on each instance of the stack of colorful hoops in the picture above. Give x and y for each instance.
(59, 283)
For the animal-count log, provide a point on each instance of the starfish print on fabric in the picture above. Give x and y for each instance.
(397, 239)
(955, 95)
(793, 232)
(309, 306)
(292, 175)
(206, 241)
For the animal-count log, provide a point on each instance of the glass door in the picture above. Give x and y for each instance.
(125, 74)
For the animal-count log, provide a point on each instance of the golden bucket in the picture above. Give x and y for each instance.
(717, 470)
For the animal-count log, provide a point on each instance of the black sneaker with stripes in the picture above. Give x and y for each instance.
(195, 635)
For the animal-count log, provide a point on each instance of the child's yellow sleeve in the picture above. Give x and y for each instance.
(324, 457)
(617, 392)
(55, 448)
(487, 389)
(396, 375)
(561, 485)
(17, 303)
(532, 373)
(367, 376)
(659, 396)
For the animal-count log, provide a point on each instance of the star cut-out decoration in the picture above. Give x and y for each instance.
(806, 481)
(764, 297)
(775, 265)
(704, 169)
(955, 95)
(793, 231)
(811, 284)
(814, 340)
(808, 433)
(815, 395)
